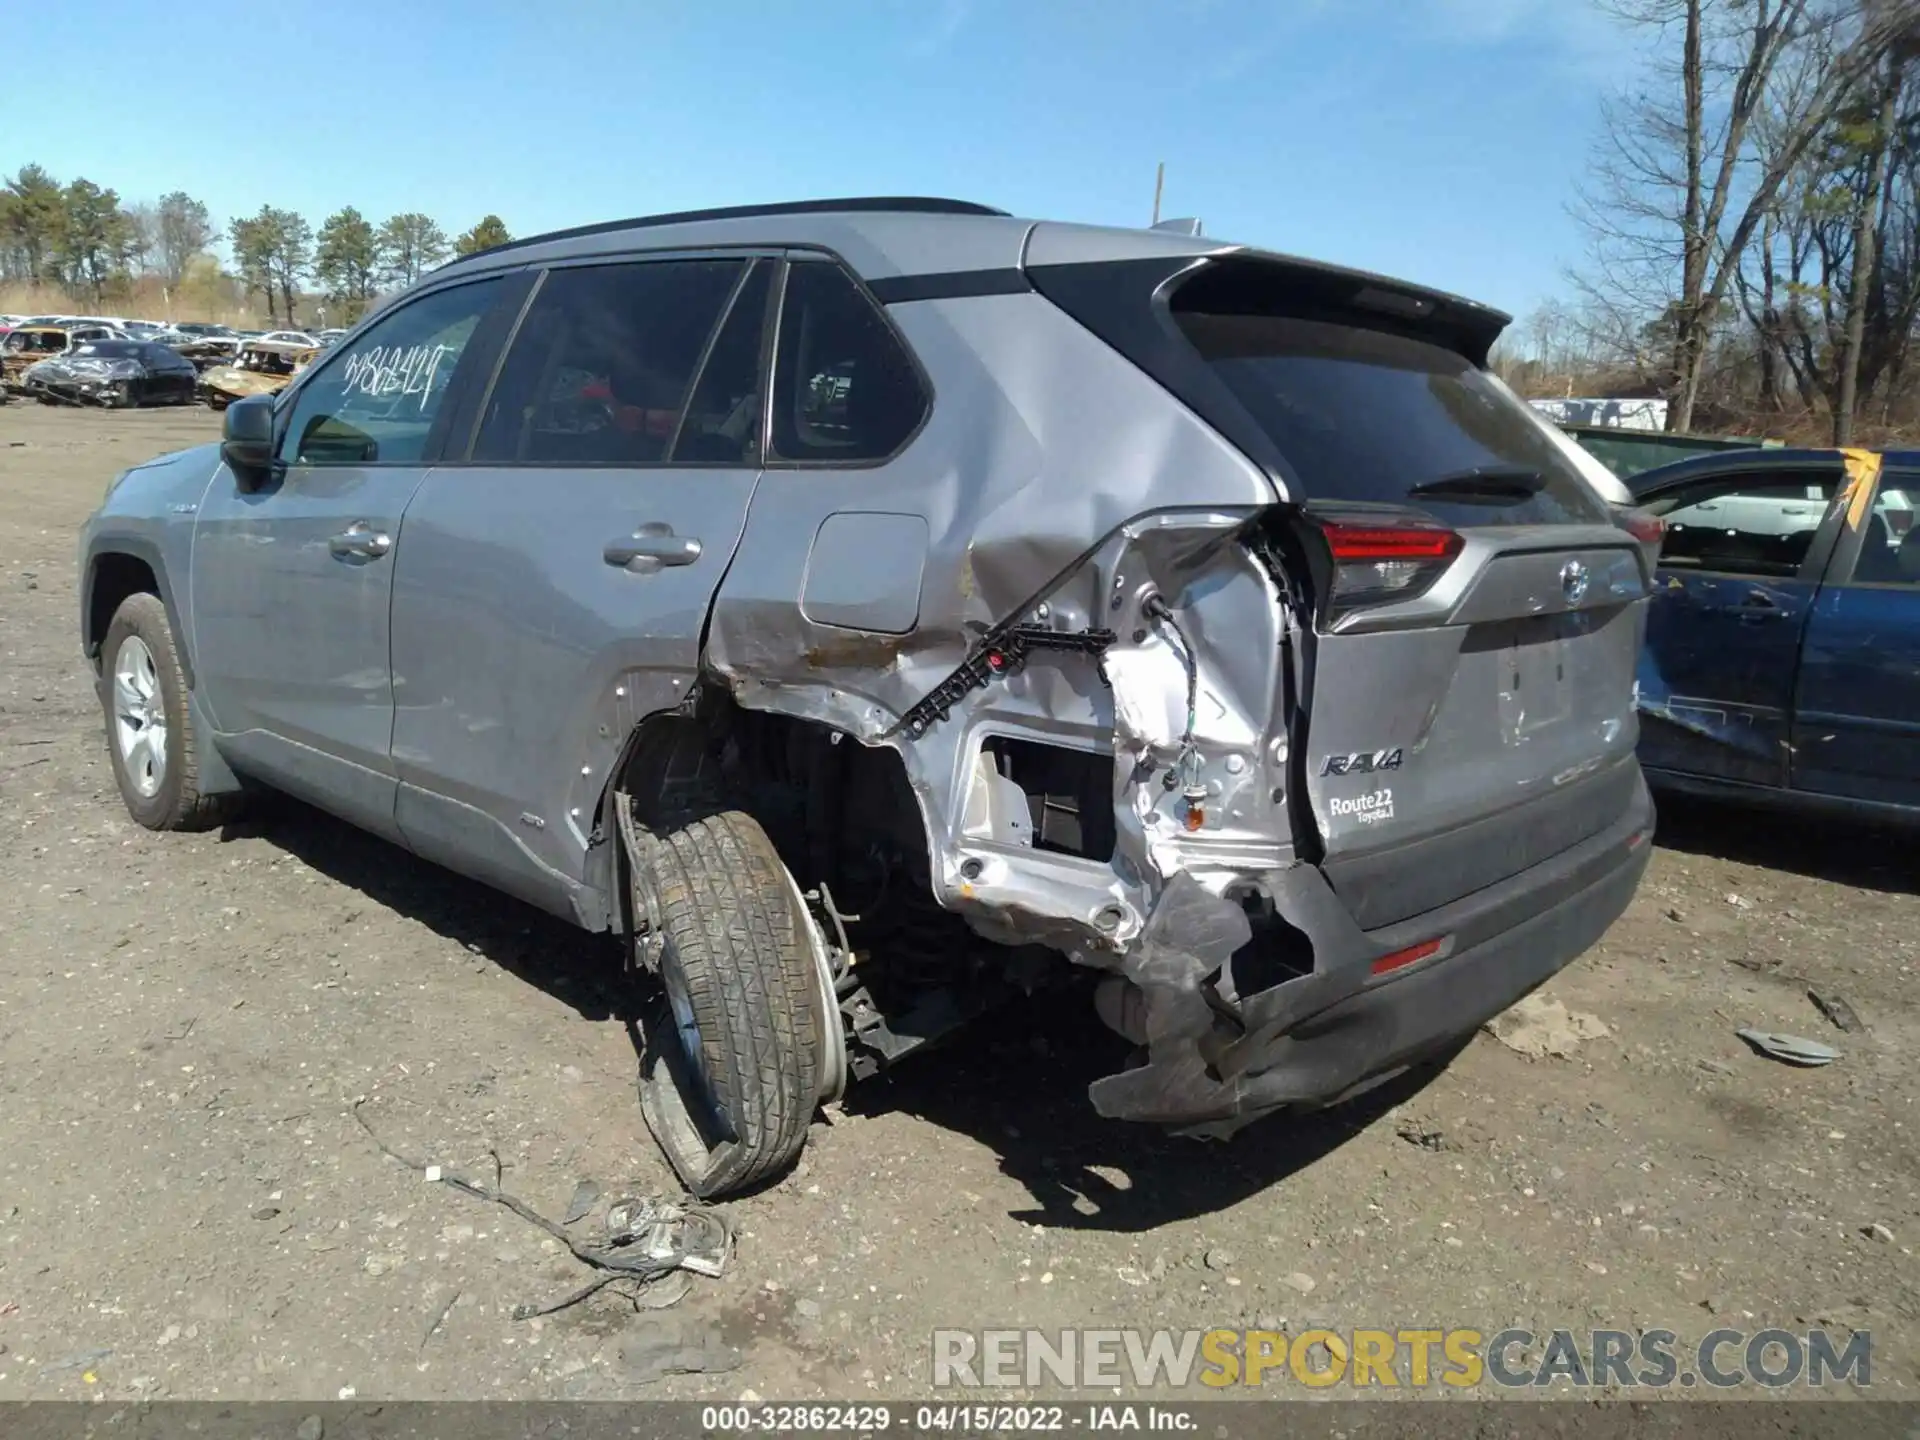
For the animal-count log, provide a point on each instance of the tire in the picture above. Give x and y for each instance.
(731, 1071)
(153, 688)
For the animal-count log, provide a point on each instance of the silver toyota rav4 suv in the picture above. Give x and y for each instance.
(872, 610)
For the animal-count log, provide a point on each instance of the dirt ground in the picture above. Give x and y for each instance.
(189, 1209)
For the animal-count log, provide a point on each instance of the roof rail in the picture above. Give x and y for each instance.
(896, 204)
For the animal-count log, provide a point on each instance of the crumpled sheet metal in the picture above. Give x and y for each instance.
(1200, 1077)
(1191, 934)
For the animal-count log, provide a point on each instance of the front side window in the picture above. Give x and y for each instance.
(600, 369)
(1764, 528)
(376, 400)
(844, 387)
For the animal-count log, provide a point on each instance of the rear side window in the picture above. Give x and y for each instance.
(722, 423)
(599, 371)
(844, 388)
(1364, 416)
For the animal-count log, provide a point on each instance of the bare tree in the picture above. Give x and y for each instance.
(1882, 104)
(1681, 186)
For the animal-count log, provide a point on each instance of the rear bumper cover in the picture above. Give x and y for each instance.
(1217, 1061)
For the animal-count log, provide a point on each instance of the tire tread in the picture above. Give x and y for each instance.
(721, 895)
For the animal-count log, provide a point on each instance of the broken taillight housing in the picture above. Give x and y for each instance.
(1376, 563)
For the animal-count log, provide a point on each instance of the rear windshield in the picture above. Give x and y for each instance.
(111, 349)
(1365, 416)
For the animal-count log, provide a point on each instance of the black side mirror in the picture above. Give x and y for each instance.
(246, 440)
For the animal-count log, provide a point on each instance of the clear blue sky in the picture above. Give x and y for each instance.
(1434, 139)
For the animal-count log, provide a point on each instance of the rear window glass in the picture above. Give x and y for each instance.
(1364, 416)
(110, 349)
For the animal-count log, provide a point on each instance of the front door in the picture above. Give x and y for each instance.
(1738, 575)
(292, 582)
(554, 585)
(1857, 722)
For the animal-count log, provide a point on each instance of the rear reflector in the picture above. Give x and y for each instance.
(1386, 562)
(1400, 959)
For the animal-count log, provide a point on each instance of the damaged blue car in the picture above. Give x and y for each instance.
(1782, 659)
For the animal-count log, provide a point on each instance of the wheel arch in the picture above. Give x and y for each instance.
(116, 567)
(682, 751)
(648, 752)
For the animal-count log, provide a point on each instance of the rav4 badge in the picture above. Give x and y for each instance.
(1364, 762)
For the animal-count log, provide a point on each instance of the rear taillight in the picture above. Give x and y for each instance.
(1650, 530)
(1647, 529)
(1374, 563)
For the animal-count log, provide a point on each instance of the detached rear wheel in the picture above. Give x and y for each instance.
(732, 1069)
(150, 735)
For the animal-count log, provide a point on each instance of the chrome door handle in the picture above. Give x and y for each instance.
(360, 540)
(651, 546)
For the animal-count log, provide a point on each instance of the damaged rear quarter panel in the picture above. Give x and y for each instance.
(1049, 468)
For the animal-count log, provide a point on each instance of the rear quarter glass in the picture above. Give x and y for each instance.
(1362, 416)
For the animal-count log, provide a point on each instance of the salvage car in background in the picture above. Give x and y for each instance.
(1782, 660)
(204, 352)
(261, 367)
(116, 373)
(27, 345)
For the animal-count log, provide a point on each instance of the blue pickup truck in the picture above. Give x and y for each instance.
(1782, 660)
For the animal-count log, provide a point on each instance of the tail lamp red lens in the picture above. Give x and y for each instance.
(1647, 529)
(1390, 542)
(1386, 562)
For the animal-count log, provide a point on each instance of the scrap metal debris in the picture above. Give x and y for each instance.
(585, 1196)
(440, 1316)
(1792, 1049)
(647, 1239)
(78, 1361)
(1837, 1010)
(1537, 1027)
(678, 1346)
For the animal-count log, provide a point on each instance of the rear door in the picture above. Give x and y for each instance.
(1739, 571)
(1470, 702)
(554, 583)
(1856, 726)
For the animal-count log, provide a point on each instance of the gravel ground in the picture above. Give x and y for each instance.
(189, 1209)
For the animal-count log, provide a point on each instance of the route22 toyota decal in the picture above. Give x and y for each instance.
(1369, 809)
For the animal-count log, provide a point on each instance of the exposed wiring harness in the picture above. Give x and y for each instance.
(652, 1242)
(1187, 766)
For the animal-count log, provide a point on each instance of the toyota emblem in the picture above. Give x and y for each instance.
(1573, 581)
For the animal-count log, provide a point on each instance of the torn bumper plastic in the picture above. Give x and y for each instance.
(1216, 1060)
